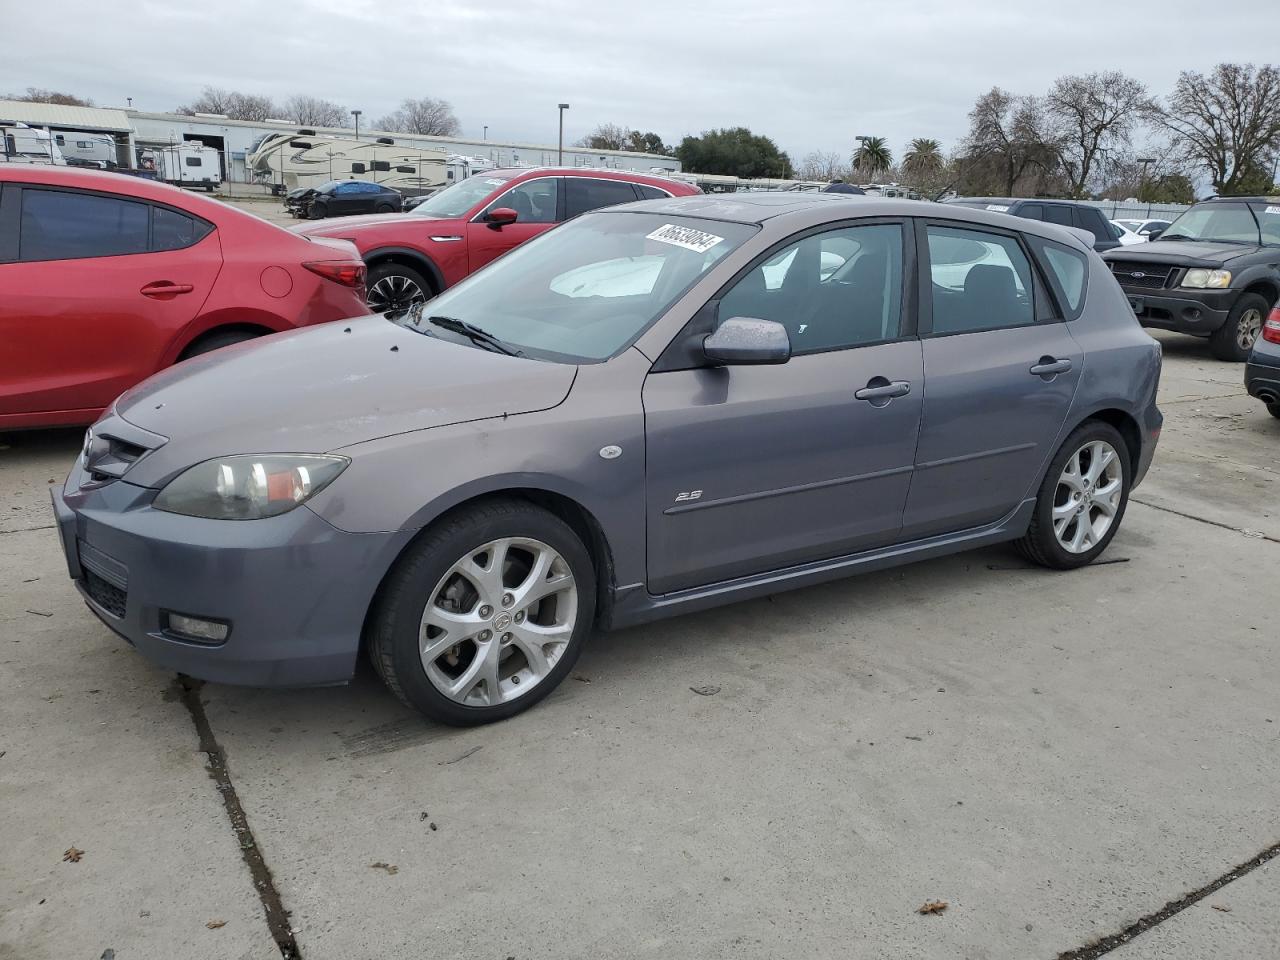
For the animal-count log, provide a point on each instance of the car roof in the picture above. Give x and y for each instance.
(86, 179)
(1010, 200)
(1272, 199)
(513, 172)
(788, 210)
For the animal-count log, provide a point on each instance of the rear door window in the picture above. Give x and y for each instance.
(980, 281)
(62, 225)
(583, 194)
(1031, 211)
(1055, 213)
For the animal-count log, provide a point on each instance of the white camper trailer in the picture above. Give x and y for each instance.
(24, 144)
(304, 159)
(82, 149)
(186, 164)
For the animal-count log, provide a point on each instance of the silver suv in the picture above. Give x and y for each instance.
(653, 409)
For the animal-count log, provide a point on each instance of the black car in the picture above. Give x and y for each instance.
(1065, 213)
(1214, 273)
(340, 198)
(1262, 372)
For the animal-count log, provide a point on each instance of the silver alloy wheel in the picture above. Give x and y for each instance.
(1087, 498)
(1248, 328)
(498, 622)
(394, 292)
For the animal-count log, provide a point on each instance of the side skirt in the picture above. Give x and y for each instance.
(633, 604)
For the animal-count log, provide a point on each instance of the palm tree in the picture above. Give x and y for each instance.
(923, 155)
(873, 155)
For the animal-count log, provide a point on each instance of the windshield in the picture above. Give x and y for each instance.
(1221, 222)
(584, 291)
(456, 200)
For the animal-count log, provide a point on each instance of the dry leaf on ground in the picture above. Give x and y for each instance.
(1221, 906)
(73, 855)
(215, 924)
(933, 906)
(391, 868)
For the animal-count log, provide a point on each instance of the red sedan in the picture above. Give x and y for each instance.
(105, 279)
(413, 256)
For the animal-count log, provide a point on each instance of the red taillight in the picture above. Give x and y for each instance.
(1271, 329)
(345, 272)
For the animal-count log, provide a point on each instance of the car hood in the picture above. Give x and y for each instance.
(1197, 253)
(342, 226)
(322, 388)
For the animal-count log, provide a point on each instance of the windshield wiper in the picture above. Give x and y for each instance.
(475, 334)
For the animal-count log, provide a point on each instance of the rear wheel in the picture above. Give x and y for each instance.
(1274, 410)
(216, 341)
(1234, 339)
(394, 287)
(1082, 499)
(384, 208)
(485, 614)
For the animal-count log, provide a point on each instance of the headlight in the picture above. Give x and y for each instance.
(1202, 279)
(248, 487)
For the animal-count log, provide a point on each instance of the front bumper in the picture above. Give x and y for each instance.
(1197, 312)
(294, 589)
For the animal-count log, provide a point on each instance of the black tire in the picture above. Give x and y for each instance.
(378, 301)
(1225, 343)
(216, 341)
(317, 211)
(1274, 410)
(392, 635)
(1040, 543)
(384, 208)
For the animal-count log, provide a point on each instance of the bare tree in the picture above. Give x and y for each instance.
(822, 165)
(37, 95)
(313, 111)
(1094, 114)
(427, 115)
(233, 104)
(607, 136)
(1011, 136)
(1227, 122)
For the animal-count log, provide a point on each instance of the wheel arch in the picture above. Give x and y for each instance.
(567, 508)
(1266, 287)
(247, 321)
(407, 256)
(1125, 423)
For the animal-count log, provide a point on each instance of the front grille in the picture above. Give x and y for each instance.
(1148, 276)
(107, 457)
(106, 595)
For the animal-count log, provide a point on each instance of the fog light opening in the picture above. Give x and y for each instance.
(196, 629)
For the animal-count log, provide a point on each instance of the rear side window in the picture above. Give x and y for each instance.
(58, 225)
(649, 193)
(1092, 221)
(980, 281)
(1067, 269)
(171, 230)
(583, 194)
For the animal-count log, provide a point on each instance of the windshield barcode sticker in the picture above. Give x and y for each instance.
(998, 207)
(686, 237)
(1272, 210)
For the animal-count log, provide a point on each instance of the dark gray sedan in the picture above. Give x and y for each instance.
(653, 409)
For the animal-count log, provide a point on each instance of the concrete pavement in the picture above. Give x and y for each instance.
(1054, 755)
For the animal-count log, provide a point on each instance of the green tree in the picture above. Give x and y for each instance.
(923, 157)
(872, 156)
(735, 152)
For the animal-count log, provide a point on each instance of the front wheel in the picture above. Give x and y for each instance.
(1234, 339)
(1081, 501)
(485, 614)
(318, 211)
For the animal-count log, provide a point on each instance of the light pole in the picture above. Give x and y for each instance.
(356, 114)
(1142, 180)
(560, 148)
(486, 131)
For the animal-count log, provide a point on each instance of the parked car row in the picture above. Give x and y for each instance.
(1139, 231)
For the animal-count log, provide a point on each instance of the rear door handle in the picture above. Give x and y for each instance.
(880, 390)
(165, 288)
(1049, 366)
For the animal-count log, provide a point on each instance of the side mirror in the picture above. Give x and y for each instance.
(500, 216)
(1153, 233)
(742, 340)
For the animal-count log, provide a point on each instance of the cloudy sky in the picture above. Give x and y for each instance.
(809, 73)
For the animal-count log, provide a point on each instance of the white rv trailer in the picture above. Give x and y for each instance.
(303, 159)
(84, 149)
(186, 164)
(24, 144)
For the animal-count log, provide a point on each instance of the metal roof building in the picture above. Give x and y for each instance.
(58, 117)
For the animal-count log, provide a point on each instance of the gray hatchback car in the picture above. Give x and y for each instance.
(652, 409)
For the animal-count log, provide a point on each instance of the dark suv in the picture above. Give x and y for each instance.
(1215, 273)
(1065, 213)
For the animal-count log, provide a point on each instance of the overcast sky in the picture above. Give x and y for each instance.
(810, 74)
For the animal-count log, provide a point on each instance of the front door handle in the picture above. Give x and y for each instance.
(161, 289)
(1050, 366)
(879, 390)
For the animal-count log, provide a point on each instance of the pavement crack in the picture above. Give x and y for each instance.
(46, 526)
(1104, 946)
(278, 922)
(1254, 534)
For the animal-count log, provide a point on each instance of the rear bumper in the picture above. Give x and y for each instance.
(1262, 373)
(294, 589)
(1196, 313)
